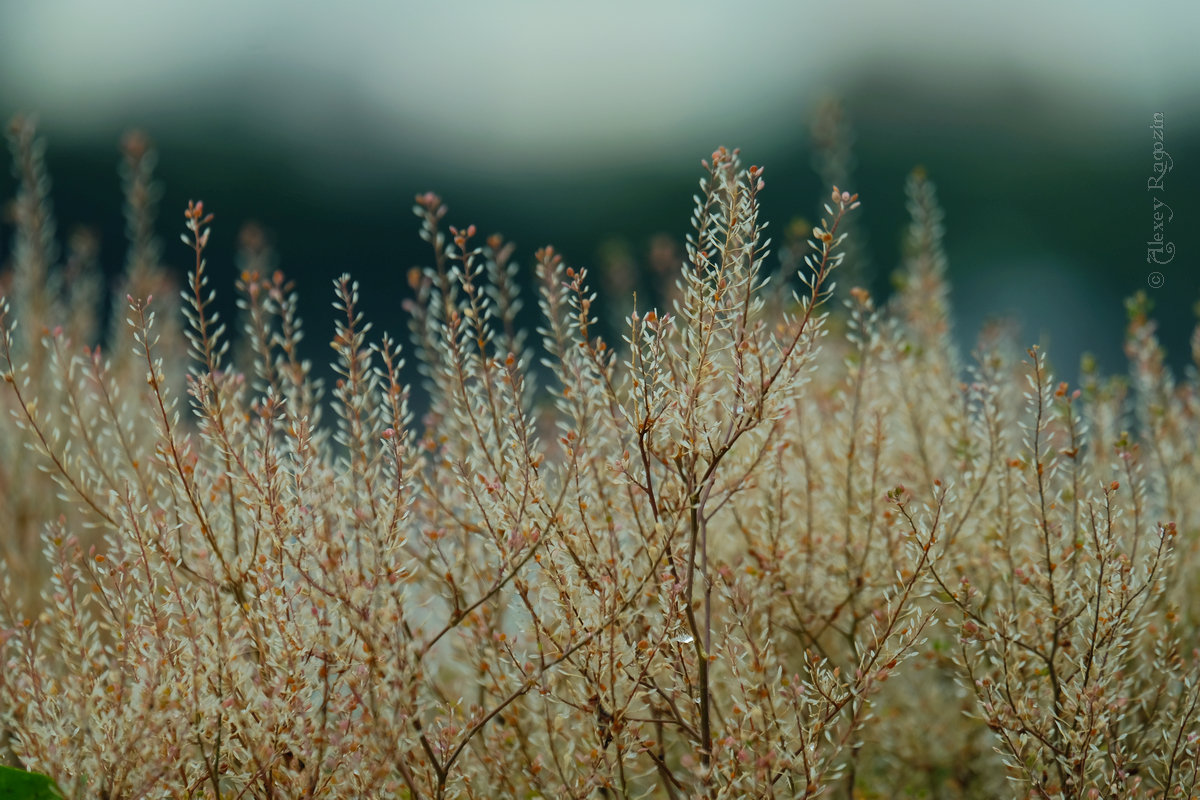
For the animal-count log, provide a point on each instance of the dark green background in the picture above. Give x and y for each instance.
(1044, 186)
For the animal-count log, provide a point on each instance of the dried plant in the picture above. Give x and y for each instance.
(709, 561)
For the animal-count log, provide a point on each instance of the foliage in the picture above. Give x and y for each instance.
(733, 556)
(20, 785)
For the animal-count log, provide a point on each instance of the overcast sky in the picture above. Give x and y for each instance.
(543, 80)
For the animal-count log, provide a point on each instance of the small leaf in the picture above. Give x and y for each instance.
(21, 785)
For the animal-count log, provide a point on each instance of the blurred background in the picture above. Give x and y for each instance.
(582, 125)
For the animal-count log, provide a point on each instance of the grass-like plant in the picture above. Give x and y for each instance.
(730, 556)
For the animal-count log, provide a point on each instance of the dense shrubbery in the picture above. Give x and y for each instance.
(730, 557)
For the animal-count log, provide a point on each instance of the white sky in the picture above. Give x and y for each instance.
(548, 79)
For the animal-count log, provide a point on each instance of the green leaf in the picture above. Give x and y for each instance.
(16, 784)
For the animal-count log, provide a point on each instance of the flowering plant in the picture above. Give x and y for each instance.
(714, 564)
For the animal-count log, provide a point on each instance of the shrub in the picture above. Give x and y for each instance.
(709, 561)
